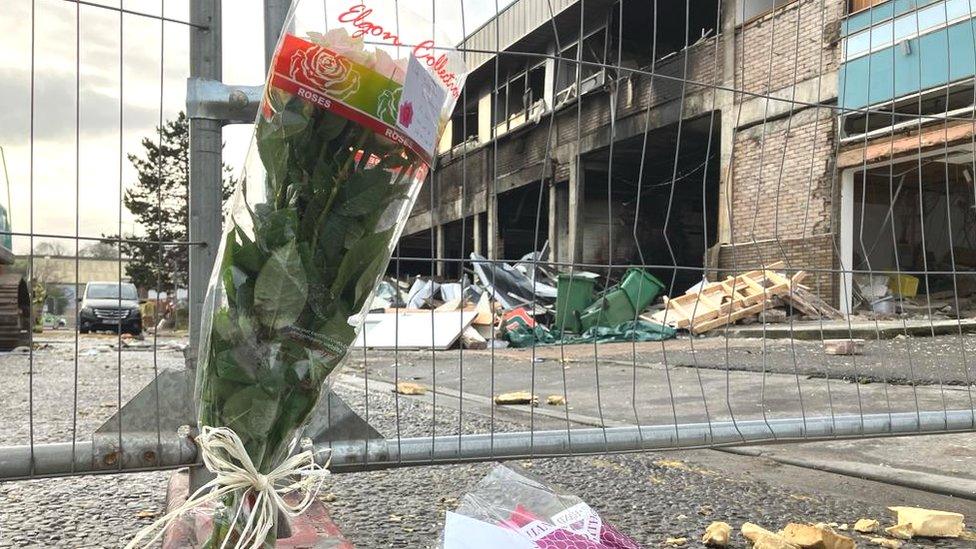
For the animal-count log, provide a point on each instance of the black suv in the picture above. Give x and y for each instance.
(110, 306)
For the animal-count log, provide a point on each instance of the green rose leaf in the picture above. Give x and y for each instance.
(251, 412)
(357, 262)
(281, 289)
(277, 229)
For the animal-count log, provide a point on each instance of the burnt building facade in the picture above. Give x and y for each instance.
(703, 137)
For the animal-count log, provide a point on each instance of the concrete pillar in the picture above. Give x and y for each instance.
(439, 246)
(725, 102)
(494, 245)
(476, 229)
(559, 222)
(575, 194)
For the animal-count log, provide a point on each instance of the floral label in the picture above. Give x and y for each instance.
(331, 81)
(419, 112)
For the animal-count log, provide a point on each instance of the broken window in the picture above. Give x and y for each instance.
(464, 123)
(536, 90)
(566, 70)
(516, 97)
(748, 10)
(594, 54)
(499, 107)
(907, 111)
(858, 5)
(917, 218)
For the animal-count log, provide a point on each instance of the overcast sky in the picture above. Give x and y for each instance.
(99, 139)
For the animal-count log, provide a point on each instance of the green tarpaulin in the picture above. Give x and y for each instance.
(628, 331)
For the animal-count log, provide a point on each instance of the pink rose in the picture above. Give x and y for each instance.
(406, 114)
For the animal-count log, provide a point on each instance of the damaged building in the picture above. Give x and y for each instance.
(712, 136)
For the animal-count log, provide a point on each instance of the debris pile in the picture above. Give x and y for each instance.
(937, 296)
(749, 295)
(910, 522)
(497, 304)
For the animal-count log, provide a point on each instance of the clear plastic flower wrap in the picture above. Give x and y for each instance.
(509, 509)
(355, 102)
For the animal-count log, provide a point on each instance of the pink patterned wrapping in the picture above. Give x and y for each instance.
(543, 517)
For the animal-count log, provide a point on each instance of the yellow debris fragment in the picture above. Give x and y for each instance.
(886, 543)
(717, 534)
(408, 388)
(671, 464)
(764, 539)
(677, 542)
(900, 531)
(517, 397)
(810, 536)
(866, 526)
(555, 400)
(930, 523)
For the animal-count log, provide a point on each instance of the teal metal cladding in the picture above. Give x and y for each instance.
(934, 59)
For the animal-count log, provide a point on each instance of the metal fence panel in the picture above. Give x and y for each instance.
(817, 258)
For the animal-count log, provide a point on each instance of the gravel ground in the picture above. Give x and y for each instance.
(56, 394)
(648, 496)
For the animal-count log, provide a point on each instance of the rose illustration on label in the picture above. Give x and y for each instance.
(406, 114)
(388, 102)
(330, 73)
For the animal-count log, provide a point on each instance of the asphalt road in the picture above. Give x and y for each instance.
(650, 496)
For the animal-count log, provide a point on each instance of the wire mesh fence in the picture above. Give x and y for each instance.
(650, 225)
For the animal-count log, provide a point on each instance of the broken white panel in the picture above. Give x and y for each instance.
(450, 291)
(421, 292)
(413, 329)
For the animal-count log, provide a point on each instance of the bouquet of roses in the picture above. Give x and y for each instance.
(344, 138)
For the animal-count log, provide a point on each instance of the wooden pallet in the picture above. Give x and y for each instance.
(719, 303)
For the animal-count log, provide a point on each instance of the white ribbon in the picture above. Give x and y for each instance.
(222, 450)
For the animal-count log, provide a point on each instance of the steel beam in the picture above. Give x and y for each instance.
(205, 162)
(214, 100)
(358, 455)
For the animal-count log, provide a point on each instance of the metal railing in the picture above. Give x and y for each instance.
(654, 165)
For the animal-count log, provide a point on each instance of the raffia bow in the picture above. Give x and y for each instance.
(224, 454)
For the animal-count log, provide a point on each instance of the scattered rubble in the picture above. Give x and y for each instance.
(717, 534)
(900, 531)
(556, 400)
(886, 543)
(676, 542)
(408, 388)
(764, 539)
(517, 397)
(866, 526)
(809, 536)
(843, 346)
(928, 523)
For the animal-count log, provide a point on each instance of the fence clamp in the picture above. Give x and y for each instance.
(214, 100)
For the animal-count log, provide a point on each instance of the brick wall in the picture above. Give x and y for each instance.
(782, 177)
(814, 252)
(794, 57)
